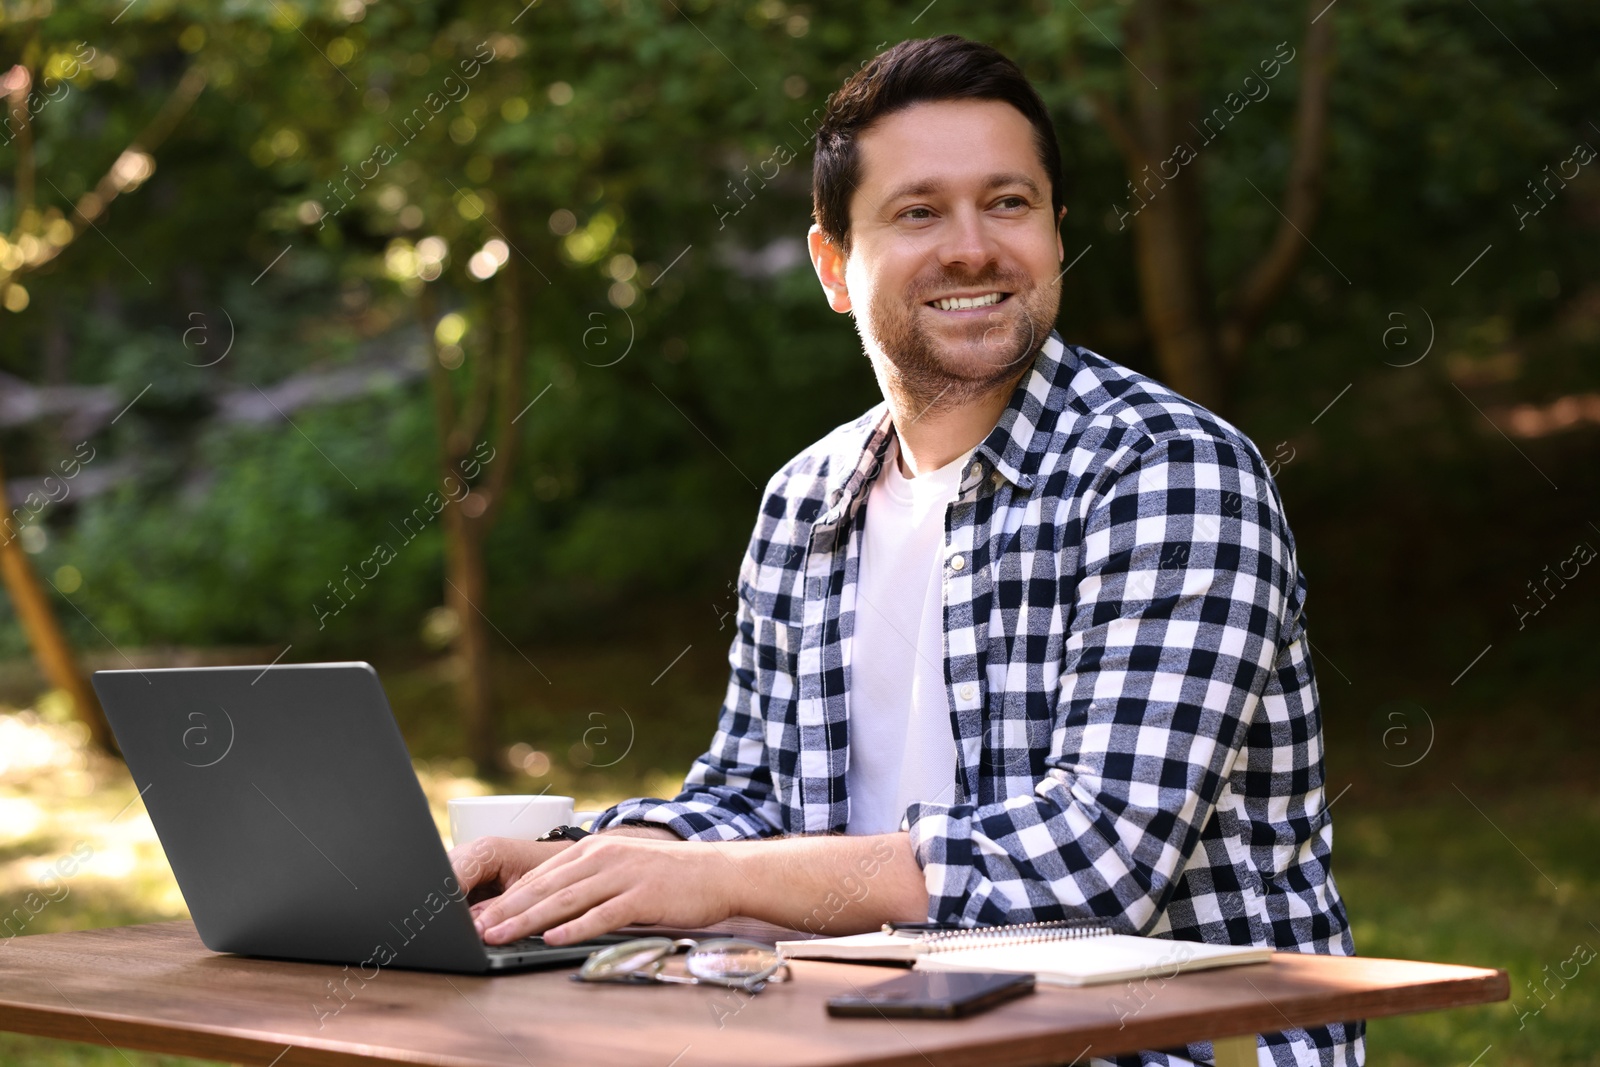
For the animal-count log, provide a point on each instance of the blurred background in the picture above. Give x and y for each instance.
(458, 337)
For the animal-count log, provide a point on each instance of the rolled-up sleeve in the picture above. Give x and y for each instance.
(1174, 616)
(727, 794)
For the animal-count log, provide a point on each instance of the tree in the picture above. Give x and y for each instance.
(50, 646)
(1199, 346)
(653, 160)
(38, 237)
(493, 399)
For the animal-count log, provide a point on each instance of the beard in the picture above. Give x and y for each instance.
(928, 366)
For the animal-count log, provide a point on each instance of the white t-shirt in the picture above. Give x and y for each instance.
(901, 747)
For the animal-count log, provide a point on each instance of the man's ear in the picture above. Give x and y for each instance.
(1061, 249)
(829, 263)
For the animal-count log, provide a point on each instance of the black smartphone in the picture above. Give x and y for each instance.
(932, 995)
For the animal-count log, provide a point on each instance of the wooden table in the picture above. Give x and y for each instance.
(157, 988)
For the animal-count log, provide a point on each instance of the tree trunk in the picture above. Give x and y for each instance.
(1198, 348)
(1169, 228)
(1177, 304)
(50, 646)
(466, 588)
(494, 395)
(1302, 193)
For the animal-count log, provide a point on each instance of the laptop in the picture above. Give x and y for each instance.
(289, 811)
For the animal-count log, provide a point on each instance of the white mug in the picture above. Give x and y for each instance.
(526, 818)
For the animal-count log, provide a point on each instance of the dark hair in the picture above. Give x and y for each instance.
(913, 72)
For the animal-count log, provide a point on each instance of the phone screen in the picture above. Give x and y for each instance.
(933, 994)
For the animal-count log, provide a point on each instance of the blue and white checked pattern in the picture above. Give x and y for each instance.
(1130, 683)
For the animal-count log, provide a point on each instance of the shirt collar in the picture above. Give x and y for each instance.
(1014, 448)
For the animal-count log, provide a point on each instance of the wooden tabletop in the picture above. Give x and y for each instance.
(157, 988)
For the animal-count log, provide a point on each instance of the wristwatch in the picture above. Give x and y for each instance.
(566, 833)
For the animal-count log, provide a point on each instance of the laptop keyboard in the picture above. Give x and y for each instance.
(525, 944)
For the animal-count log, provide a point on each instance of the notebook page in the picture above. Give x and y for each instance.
(873, 946)
(1113, 958)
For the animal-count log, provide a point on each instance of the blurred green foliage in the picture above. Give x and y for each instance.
(638, 474)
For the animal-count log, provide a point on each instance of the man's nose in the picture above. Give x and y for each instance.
(967, 241)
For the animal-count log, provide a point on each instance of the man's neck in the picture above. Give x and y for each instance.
(934, 440)
(934, 434)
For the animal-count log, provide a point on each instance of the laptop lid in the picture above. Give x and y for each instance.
(289, 811)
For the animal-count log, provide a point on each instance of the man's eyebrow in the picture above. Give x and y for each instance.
(929, 186)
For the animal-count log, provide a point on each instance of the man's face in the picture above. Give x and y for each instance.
(953, 208)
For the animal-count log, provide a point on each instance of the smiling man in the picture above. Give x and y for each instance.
(1026, 641)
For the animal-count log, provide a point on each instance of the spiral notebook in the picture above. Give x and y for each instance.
(1070, 953)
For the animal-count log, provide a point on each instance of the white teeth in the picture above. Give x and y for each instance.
(956, 303)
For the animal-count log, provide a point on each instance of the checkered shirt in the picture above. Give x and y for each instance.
(1130, 684)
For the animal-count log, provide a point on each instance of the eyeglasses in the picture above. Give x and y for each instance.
(724, 961)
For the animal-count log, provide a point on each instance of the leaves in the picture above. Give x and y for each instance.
(605, 136)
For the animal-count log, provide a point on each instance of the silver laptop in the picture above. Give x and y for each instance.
(289, 811)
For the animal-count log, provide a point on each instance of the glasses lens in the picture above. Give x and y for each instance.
(630, 957)
(728, 958)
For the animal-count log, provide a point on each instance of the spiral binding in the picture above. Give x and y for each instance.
(1014, 934)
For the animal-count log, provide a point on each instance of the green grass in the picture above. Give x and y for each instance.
(44, 1052)
(1437, 880)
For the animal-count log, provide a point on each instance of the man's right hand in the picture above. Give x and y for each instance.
(488, 866)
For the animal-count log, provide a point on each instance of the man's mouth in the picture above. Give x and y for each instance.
(967, 302)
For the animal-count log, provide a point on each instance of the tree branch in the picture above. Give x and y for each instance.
(513, 373)
(1120, 132)
(444, 404)
(1116, 125)
(1302, 199)
(476, 412)
(19, 83)
(91, 204)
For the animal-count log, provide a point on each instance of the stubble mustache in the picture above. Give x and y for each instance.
(917, 367)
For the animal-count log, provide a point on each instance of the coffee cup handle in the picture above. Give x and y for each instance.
(584, 818)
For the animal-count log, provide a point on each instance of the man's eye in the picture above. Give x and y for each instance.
(916, 214)
(1013, 202)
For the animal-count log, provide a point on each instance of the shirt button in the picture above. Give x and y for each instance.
(957, 563)
(968, 692)
(977, 469)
